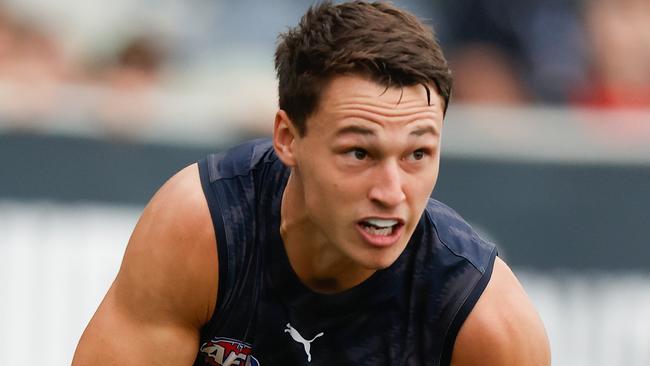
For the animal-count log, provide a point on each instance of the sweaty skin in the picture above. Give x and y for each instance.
(370, 153)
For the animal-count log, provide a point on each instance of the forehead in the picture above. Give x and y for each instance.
(353, 85)
(355, 99)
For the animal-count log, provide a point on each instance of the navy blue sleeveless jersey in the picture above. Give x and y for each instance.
(407, 314)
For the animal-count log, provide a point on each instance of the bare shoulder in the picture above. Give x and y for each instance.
(503, 328)
(166, 286)
(175, 241)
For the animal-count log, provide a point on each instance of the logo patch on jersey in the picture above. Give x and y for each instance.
(306, 343)
(228, 352)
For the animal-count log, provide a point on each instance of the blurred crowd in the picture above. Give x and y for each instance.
(584, 53)
(591, 53)
(40, 81)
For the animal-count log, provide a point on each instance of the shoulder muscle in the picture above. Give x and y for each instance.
(166, 287)
(172, 252)
(503, 328)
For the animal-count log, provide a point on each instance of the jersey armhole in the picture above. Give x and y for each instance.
(220, 233)
(465, 309)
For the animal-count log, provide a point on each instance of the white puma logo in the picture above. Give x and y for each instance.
(298, 338)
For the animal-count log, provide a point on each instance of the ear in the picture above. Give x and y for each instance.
(284, 138)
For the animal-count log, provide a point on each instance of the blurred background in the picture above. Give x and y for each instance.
(546, 148)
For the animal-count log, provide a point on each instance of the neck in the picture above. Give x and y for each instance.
(319, 264)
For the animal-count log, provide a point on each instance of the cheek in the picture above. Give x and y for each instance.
(332, 201)
(334, 194)
(422, 185)
(433, 180)
(431, 176)
(351, 192)
(323, 193)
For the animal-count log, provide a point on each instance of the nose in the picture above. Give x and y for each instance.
(387, 189)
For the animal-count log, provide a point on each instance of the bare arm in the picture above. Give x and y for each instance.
(504, 328)
(166, 287)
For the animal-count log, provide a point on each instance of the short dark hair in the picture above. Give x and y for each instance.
(375, 40)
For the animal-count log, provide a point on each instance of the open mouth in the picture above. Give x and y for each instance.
(380, 227)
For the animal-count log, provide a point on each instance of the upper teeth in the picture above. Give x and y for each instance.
(381, 222)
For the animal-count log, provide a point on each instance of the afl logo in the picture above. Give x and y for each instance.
(228, 352)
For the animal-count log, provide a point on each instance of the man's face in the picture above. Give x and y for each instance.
(367, 165)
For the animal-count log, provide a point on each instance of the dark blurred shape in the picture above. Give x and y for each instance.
(141, 56)
(513, 51)
(484, 74)
(131, 80)
(619, 36)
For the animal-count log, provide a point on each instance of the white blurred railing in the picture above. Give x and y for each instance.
(58, 260)
(56, 263)
(595, 318)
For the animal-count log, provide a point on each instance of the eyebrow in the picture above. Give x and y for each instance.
(355, 130)
(360, 130)
(424, 130)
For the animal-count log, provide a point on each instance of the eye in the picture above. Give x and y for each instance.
(359, 154)
(418, 154)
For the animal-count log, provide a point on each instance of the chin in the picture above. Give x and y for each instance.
(379, 262)
(380, 266)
